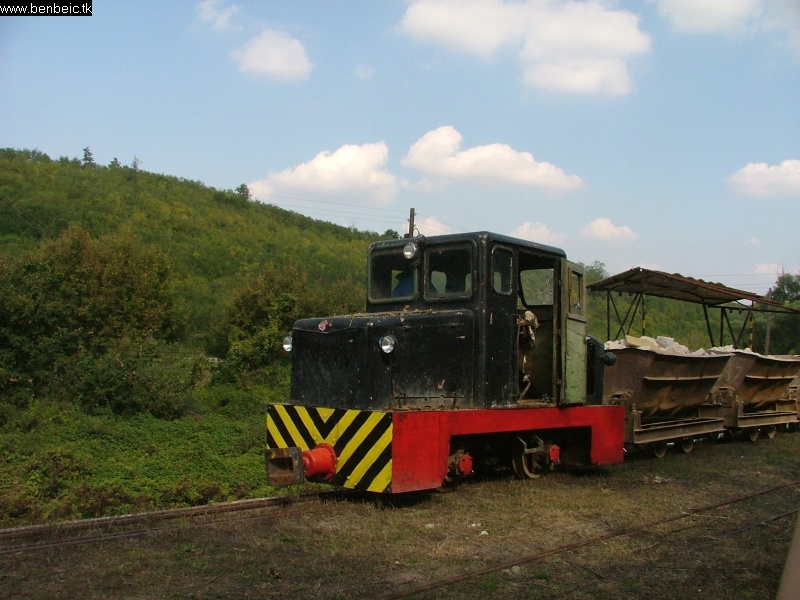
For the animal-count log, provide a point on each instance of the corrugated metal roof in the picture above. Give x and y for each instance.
(678, 287)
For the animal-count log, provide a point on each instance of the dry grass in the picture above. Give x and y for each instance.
(386, 546)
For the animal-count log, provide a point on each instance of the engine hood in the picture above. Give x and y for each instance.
(337, 362)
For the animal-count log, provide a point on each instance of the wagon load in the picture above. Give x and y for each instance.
(661, 382)
(667, 391)
(672, 394)
(755, 390)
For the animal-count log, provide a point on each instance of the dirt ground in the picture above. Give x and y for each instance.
(593, 534)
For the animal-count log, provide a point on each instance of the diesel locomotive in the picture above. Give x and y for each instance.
(472, 353)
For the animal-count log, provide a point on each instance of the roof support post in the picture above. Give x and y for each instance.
(708, 325)
(644, 314)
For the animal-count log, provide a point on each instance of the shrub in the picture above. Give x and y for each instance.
(131, 376)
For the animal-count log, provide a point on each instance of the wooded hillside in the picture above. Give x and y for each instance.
(103, 262)
(120, 283)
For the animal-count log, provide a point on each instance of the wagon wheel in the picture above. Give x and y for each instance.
(770, 432)
(659, 449)
(752, 433)
(527, 466)
(686, 445)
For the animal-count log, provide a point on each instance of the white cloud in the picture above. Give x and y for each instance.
(219, 17)
(735, 17)
(582, 48)
(768, 269)
(537, 232)
(261, 190)
(567, 46)
(430, 226)
(785, 15)
(275, 54)
(711, 16)
(475, 26)
(761, 180)
(355, 172)
(603, 229)
(438, 153)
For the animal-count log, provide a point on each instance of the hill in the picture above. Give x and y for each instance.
(140, 326)
(215, 240)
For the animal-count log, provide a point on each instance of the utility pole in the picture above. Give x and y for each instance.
(411, 224)
(769, 324)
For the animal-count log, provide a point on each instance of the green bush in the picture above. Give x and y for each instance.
(130, 376)
(90, 320)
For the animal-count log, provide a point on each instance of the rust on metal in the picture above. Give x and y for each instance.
(285, 466)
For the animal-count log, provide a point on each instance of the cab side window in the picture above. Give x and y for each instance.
(502, 265)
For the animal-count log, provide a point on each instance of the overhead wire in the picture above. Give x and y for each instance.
(335, 210)
(373, 214)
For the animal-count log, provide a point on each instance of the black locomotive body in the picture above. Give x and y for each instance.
(472, 351)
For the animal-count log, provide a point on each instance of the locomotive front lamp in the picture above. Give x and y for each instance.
(287, 343)
(410, 250)
(388, 343)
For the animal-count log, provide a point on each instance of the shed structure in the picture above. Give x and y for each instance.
(640, 283)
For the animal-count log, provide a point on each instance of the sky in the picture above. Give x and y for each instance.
(656, 133)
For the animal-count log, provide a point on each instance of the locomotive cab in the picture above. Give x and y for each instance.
(457, 321)
(474, 325)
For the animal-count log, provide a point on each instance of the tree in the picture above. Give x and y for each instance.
(782, 329)
(786, 288)
(243, 192)
(260, 316)
(76, 309)
(88, 159)
(595, 271)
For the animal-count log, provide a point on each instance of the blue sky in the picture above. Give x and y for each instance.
(655, 133)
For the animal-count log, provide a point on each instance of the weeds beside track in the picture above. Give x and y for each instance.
(84, 531)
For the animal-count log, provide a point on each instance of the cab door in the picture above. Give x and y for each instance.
(574, 319)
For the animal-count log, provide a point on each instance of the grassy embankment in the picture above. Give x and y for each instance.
(57, 462)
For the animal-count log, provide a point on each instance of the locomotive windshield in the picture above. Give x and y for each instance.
(392, 276)
(447, 274)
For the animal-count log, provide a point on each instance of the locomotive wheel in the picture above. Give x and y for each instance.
(527, 466)
(770, 432)
(752, 433)
(659, 449)
(686, 445)
(446, 487)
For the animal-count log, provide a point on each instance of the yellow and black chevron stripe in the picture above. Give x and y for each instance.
(362, 440)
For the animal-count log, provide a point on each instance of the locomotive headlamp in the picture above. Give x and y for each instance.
(287, 343)
(388, 343)
(410, 250)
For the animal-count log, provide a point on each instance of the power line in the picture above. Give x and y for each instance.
(359, 206)
(329, 209)
(338, 214)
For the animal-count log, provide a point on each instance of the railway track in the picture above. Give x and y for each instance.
(85, 531)
(440, 584)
